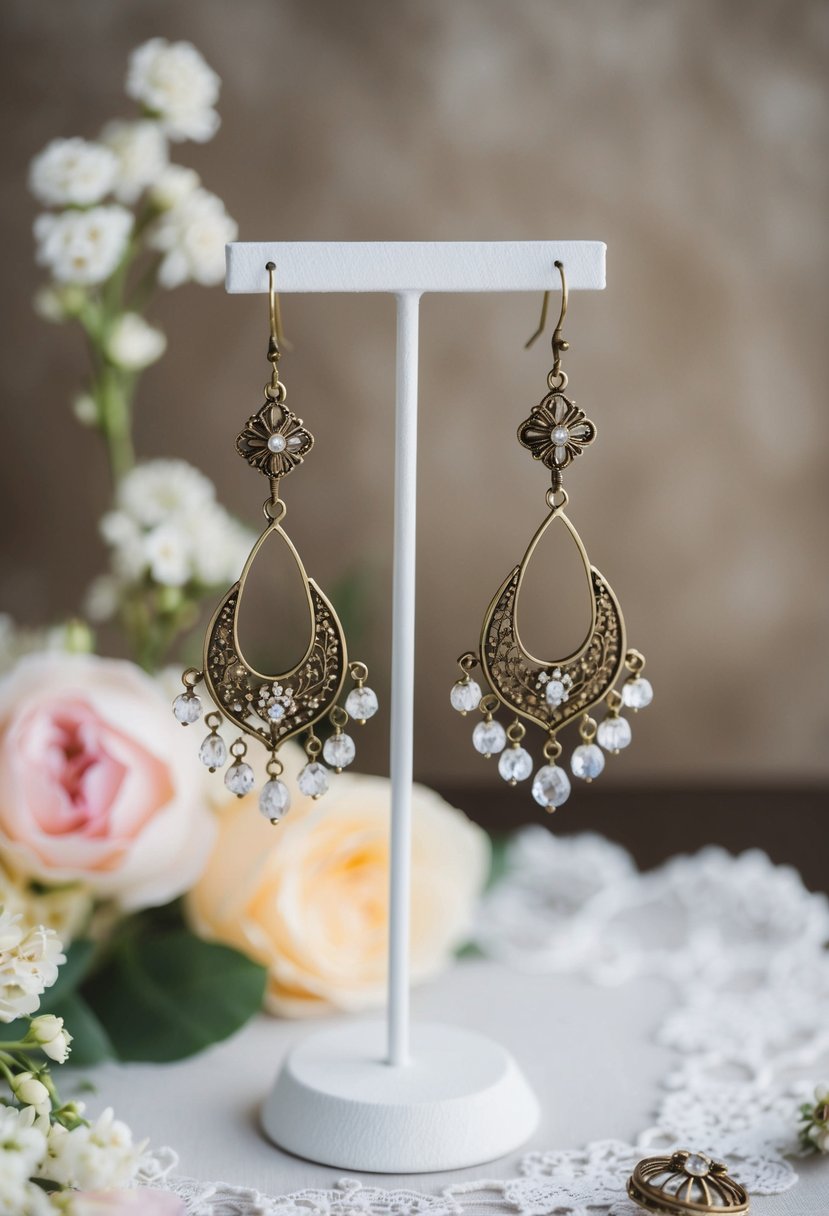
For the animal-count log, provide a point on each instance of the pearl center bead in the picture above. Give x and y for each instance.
(560, 435)
(277, 443)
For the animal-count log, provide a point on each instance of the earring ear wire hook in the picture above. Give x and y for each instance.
(277, 335)
(558, 343)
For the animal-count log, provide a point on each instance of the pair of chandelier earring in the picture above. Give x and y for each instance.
(548, 694)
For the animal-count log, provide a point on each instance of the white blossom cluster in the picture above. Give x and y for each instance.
(168, 526)
(95, 183)
(101, 1156)
(29, 961)
(65, 1151)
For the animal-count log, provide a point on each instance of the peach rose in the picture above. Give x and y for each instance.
(98, 783)
(308, 898)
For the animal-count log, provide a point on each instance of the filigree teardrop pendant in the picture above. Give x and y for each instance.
(551, 693)
(273, 708)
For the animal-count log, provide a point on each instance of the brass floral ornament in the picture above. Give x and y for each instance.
(265, 706)
(686, 1184)
(552, 693)
(557, 431)
(274, 440)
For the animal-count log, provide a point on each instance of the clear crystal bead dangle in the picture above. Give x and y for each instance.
(552, 693)
(275, 708)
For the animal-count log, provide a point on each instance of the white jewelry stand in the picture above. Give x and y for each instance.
(451, 1098)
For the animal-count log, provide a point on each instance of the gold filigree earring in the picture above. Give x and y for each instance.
(551, 693)
(275, 708)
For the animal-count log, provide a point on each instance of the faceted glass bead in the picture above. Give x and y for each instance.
(187, 708)
(515, 764)
(361, 704)
(239, 778)
(551, 786)
(339, 751)
(587, 761)
(554, 692)
(213, 751)
(489, 738)
(465, 696)
(637, 693)
(275, 799)
(313, 779)
(614, 734)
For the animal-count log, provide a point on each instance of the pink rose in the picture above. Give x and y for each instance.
(98, 782)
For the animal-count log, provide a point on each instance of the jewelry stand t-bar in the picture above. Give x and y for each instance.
(452, 1097)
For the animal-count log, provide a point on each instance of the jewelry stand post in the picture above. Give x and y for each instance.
(438, 1097)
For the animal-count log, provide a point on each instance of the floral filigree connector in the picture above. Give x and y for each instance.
(274, 440)
(556, 431)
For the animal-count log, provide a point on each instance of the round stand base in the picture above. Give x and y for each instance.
(461, 1101)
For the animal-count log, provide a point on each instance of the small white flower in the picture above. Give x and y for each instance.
(219, 545)
(133, 343)
(72, 172)
(99, 1157)
(101, 602)
(192, 236)
(29, 961)
(821, 1094)
(22, 1146)
(173, 185)
(157, 489)
(168, 555)
(85, 409)
(141, 152)
(175, 83)
(126, 538)
(83, 246)
(48, 1032)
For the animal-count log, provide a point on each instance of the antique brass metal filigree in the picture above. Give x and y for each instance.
(274, 708)
(552, 693)
(686, 1184)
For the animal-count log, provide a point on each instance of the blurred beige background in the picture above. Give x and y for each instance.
(690, 136)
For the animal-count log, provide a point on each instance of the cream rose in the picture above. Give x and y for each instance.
(98, 783)
(309, 898)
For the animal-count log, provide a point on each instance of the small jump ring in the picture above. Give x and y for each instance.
(274, 511)
(238, 749)
(359, 672)
(557, 499)
(516, 731)
(489, 704)
(338, 717)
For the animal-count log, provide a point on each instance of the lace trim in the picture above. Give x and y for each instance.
(740, 939)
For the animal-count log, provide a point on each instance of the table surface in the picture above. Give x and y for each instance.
(588, 1052)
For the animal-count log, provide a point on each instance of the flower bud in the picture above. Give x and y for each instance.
(49, 1034)
(28, 1090)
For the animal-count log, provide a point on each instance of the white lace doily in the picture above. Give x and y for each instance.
(742, 942)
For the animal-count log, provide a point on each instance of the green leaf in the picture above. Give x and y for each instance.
(169, 995)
